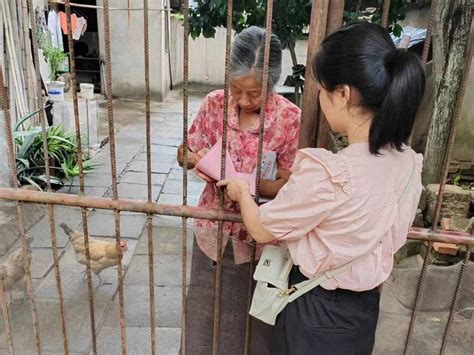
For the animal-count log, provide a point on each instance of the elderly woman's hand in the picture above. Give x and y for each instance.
(283, 174)
(235, 188)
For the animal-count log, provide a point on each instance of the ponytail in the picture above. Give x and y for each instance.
(390, 81)
(394, 119)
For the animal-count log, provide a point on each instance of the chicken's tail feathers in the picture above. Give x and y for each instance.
(66, 229)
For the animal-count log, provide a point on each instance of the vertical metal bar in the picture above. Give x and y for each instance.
(429, 32)
(442, 183)
(385, 13)
(264, 95)
(184, 227)
(266, 58)
(6, 317)
(50, 207)
(453, 309)
(220, 224)
(19, 211)
(310, 105)
(113, 163)
(248, 319)
(151, 276)
(85, 227)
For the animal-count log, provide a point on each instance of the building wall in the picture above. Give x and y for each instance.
(207, 57)
(127, 49)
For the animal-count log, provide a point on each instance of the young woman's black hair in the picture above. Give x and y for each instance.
(390, 81)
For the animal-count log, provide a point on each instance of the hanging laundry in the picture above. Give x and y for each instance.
(63, 20)
(81, 28)
(54, 28)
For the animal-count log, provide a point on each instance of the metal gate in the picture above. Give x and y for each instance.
(326, 17)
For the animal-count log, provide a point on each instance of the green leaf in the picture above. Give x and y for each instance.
(27, 143)
(25, 162)
(397, 30)
(32, 182)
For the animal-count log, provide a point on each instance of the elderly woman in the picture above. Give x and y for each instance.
(282, 123)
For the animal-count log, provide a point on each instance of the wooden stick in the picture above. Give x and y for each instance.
(13, 60)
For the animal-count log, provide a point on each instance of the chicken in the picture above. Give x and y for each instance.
(103, 254)
(12, 270)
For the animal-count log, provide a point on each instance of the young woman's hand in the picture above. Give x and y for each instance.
(235, 188)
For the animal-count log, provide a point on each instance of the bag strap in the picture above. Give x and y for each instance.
(301, 288)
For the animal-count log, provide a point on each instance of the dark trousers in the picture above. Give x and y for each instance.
(339, 322)
(200, 308)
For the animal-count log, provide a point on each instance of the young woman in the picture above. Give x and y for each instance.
(337, 207)
(282, 123)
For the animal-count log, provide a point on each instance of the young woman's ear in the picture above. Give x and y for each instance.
(342, 96)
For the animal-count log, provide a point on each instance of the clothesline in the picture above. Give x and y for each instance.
(101, 7)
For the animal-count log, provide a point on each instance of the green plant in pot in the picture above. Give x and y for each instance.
(55, 57)
(62, 152)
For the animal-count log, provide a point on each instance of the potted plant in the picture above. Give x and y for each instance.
(55, 58)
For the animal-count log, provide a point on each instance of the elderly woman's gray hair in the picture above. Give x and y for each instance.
(247, 55)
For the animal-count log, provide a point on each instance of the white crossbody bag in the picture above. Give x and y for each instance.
(272, 294)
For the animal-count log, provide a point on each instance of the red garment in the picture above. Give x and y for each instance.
(63, 20)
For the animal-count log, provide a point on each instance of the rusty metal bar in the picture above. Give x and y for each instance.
(126, 205)
(266, 59)
(50, 207)
(184, 225)
(453, 309)
(439, 199)
(429, 32)
(310, 103)
(457, 114)
(85, 228)
(220, 224)
(6, 317)
(151, 272)
(385, 13)
(248, 319)
(140, 206)
(19, 210)
(113, 169)
(261, 132)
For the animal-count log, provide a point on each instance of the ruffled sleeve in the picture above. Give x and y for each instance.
(308, 197)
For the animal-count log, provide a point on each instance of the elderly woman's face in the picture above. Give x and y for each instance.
(247, 92)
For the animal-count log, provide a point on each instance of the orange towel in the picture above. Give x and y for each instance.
(63, 20)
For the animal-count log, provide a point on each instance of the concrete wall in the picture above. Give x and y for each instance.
(127, 49)
(207, 57)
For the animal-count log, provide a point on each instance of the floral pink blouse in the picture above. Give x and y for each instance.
(282, 124)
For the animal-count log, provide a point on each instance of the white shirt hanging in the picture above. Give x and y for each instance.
(54, 27)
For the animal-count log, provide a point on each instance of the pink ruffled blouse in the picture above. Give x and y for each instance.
(336, 207)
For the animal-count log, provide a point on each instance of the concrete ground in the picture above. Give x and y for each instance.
(398, 291)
